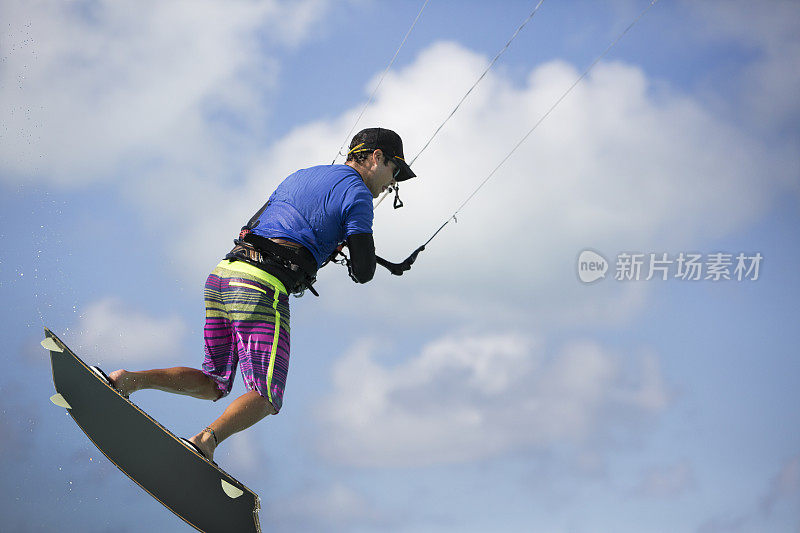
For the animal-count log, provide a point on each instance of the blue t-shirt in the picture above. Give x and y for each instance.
(318, 207)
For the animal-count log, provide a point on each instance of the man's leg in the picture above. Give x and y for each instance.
(242, 413)
(260, 327)
(177, 380)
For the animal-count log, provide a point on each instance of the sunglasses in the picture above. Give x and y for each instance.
(396, 166)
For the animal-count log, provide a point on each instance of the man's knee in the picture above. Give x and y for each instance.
(268, 406)
(215, 391)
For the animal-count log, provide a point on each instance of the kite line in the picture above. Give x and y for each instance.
(380, 81)
(536, 125)
(458, 105)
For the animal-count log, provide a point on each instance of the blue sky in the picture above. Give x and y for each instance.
(488, 388)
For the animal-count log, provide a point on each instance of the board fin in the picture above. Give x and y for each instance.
(230, 490)
(50, 344)
(60, 401)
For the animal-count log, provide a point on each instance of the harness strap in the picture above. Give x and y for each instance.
(296, 266)
(299, 257)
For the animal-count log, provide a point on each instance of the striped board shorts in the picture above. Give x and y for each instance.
(247, 323)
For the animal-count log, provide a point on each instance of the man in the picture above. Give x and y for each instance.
(309, 217)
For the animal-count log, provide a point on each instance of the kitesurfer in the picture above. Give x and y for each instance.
(308, 218)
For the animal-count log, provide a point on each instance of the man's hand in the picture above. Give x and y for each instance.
(398, 268)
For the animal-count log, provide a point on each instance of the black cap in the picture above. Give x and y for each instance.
(388, 142)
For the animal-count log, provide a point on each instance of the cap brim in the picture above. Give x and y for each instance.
(405, 171)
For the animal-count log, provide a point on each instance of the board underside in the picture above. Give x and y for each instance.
(200, 493)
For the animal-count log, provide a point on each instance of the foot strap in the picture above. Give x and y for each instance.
(194, 447)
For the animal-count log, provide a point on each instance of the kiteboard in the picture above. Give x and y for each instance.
(165, 466)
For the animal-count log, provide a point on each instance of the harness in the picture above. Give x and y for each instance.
(295, 267)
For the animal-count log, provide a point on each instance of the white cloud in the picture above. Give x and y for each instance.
(616, 167)
(101, 88)
(466, 397)
(114, 332)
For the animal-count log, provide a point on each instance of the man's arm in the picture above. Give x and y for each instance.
(362, 256)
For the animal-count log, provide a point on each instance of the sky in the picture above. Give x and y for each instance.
(494, 387)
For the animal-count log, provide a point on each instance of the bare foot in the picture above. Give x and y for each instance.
(124, 382)
(205, 442)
